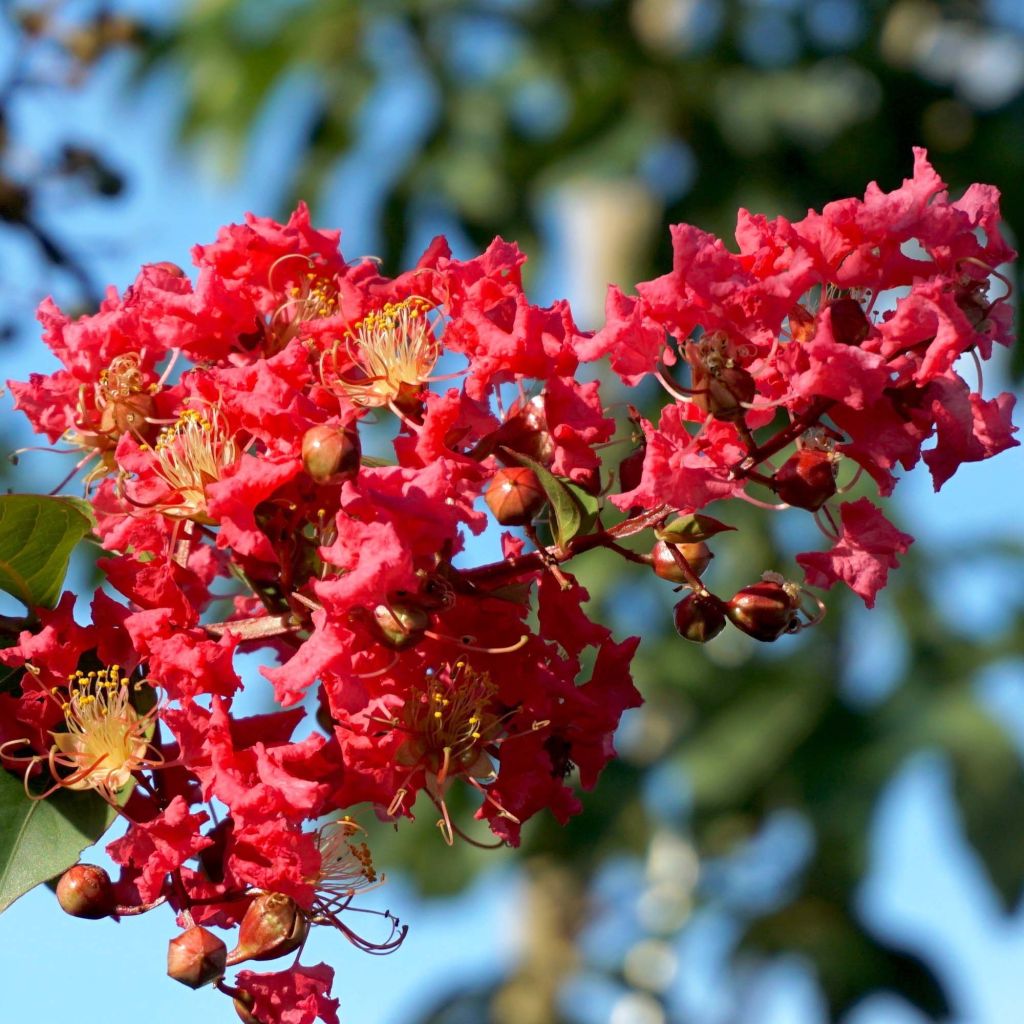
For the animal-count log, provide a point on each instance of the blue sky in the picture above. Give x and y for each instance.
(925, 887)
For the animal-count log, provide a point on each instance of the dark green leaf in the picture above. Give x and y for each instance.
(567, 510)
(37, 535)
(41, 838)
(589, 507)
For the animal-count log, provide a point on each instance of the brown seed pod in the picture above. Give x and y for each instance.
(807, 479)
(765, 610)
(515, 496)
(699, 617)
(330, 455)
(196, 957)
(698, 556)
(85, 890)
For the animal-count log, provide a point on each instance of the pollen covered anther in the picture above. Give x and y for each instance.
(106, 738)
(388, 355)
(191, 454)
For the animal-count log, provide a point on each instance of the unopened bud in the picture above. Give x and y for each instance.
(196, 957)
(697, 556)
(244, 1003)
(699, 617)
(515, 496)
(807, 479)
(85, 891)
(526, 431)
(765, 610)
(331, 455)
(273, 926)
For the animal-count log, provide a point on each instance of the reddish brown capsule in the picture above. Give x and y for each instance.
(698, 556)
(765, 610)
(85, 891)
(526, 431)
(730, 389)
(699, 617)
(273, 926)
(196, 957)
(850, 325)
(330, 455)
(807, 479)
(515, 496)
(244, 1003)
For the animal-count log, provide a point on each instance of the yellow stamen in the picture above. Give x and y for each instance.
(390, 351)
(106, 738)
(191, 454)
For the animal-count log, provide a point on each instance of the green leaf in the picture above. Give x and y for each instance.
(37, 535)
(588, 504)
(691, 529)
(41, 838)
(571, 515)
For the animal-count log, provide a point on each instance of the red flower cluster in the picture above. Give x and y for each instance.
(225, 429)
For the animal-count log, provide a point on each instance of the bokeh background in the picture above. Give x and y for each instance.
(829, 829)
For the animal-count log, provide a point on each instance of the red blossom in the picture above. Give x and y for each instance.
(863, 554)
(160, 846)
(296, 996)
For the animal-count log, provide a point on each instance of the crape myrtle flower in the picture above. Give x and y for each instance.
(286, 452)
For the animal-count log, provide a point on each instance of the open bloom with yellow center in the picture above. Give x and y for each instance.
(106, 738)
(390, 353)
(310, 297)
(454, 726)
(190, 455)
(119, 402)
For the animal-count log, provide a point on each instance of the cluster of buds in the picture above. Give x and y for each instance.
(820, 344)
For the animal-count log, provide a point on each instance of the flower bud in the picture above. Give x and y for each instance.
(196, 957)
(697, 556)
(699, 617)
(526, 431)
(85, 891)
(244, 1003)
(400, 625)
(330, 455)
(765, 610)
(168, 268)
(850, 326)
(273, 926)
(515, 496)
(807, 479)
